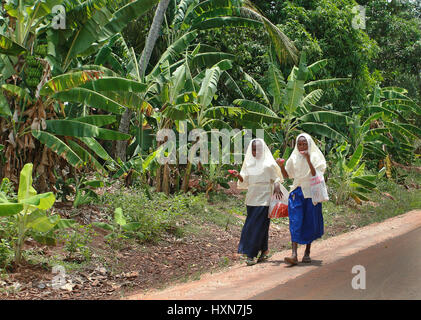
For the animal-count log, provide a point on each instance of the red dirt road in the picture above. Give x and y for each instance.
(393, 273)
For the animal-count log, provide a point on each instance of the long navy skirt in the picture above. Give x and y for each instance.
(255, 233)
(305, 218)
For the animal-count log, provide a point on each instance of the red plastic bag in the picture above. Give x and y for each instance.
(280, 210)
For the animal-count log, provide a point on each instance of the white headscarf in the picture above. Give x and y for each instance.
(254, 166)
(259, 174)
(297, 166)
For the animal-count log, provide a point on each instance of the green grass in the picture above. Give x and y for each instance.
(179, 214)
(350, 216)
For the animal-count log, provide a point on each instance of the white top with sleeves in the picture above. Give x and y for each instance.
(303, 182)
(260, 187)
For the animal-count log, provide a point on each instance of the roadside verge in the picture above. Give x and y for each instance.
(242, 282)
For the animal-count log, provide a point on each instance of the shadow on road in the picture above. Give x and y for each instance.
(318, 263)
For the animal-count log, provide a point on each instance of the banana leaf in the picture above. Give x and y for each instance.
(91, 98)
(356, 158)
(77, 129)
(254, 106)
(96, 147)
(209, 86)
(97, 120)
(58, 147)
(68, 81)
(9, 47)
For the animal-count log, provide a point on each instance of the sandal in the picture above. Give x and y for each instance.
(291, 260)
(263, 257)
(306, 259)
(251, 262)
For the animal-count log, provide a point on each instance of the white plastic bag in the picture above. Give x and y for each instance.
(274, 202)
(318, 190)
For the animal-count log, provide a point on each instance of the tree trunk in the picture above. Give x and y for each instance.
(166, 179)
(186, 179)
(152, 36)
(121, 146)
(159, 179)
(177, 179)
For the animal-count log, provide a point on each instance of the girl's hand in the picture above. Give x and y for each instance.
(234, 173)
(277, 192)
(306, 154)
(280, 162)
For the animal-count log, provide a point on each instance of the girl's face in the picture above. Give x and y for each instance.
(302, 144)
(256, 149)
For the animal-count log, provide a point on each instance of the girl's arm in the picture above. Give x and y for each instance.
(281, 165)
(240, 178)
(237, 175)
(313, 171)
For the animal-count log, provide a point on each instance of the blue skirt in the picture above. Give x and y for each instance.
(305, 218)
(255, 233)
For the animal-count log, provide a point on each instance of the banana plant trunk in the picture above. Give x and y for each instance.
(186, 180)
(159, 179)
(166, 179)
(21, 222)
(121, 146)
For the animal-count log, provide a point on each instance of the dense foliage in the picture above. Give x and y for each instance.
(91, 97)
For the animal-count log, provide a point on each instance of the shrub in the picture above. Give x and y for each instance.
(6, 253)
(153, 217)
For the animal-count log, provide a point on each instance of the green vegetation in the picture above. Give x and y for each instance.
(29, 210)
(348, 217)
(81, 108)
(151, 218)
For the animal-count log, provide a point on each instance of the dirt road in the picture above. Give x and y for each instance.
(392, 271)
(395, 271)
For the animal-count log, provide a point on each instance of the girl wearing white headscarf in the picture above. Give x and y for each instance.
(305, 218)
(259, 174)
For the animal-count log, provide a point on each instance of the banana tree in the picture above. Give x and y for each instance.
(192, 16)
(79, 134)
(386, 127)
(173, 89)
(143, 62)
(392, 120)
(123, 61)
(191, 101)
(292, 105)
(89, 24)
(348, 177)
(33, 53)
(29, 210)
(94, 23)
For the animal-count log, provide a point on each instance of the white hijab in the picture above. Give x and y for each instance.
(297, 163)
(254, 166)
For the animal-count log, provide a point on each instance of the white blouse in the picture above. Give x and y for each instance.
(260, 187)
(303, 182)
